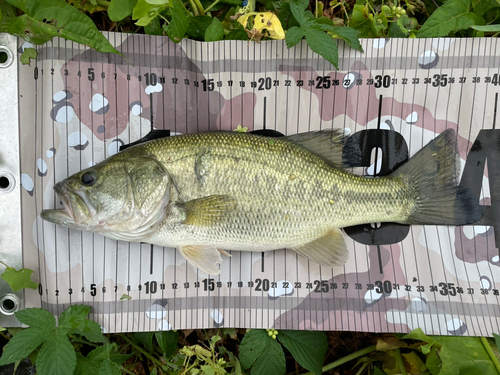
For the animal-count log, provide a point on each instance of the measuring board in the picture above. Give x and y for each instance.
(77, 107)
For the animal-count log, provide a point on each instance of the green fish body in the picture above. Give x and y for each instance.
(211, 192)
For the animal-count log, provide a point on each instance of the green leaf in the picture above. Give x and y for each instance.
(378, 371)
(125, 297)
(252, 346)
(350, 36)
(481, 7)
(167, 341)
(179, 23)
(497, 340)
(28, 54)
(433, 363)
(271, 361)
(146, 339)
(307, 347)
(238, 34)
(464, 355)
(294, 35)
(21, 345)
(198, 25)
(57, 356)
(418, 334)
(487, 28)
(21, 279)
(73, 316)
(36, 317)
(119, 9)
(109, 368)
(452, 16)
(324, 45)
(297, 8)
(145, 12)
(154, 27)
(44, 19)
(364, 22)
(215, 31)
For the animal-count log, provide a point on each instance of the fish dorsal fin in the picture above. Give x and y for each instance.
(203, 257)
(206, 211)
(329, 250)
(327, 144)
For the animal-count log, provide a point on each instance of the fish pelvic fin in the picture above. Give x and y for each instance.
(431, 178)
(329, 250)
(203, 257)
(206, 211)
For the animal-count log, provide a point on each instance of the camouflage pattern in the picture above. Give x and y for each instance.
(83, 105)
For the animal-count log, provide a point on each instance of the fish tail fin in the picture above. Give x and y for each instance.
(432, 178)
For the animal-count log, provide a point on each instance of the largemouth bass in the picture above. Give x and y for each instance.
(211, 192)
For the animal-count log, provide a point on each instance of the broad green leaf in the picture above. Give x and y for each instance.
(418, 334)
(36, 317)
(433, 363)
(86, 6)
(28, 54)
(109, 368)
(464, 355)
(294, 35)
(198, 25)
(167, 341)
(363, 21)
(348, 34)
(238, 34)
(145, 338)
(252, 345)
(154, 27)
(73, 316)
(145, 12)
(179, 23)
(215, 31)
(7, 10)
(271, 361)
(21, 279)
(119, 9)
(324, 45)
(452, 16)
(44, 19)
(158, 2)
(487, 28)
(297, 8)
(497, 340)
(21, 345)
(481, 7)
(73, 320)
(307, 347)
(57, 356)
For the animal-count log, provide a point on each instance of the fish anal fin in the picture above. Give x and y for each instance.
(329, 250)
(206, 211)
(203, 257)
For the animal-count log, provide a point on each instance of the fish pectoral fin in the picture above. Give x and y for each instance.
(207, 211)
(329, 250)
(203, 257)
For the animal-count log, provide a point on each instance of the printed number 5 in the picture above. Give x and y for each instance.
(91, 74)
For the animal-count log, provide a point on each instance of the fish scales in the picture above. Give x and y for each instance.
(209, 192)
(275, 183)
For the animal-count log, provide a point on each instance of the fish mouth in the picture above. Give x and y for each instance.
(74, 211)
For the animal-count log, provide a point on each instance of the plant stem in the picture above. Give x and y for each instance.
(127, 371)
(104, 3)
(347, 358)
(492, 355)
(4, 264)
(399, 360)
(142, 351)
(199, 7)
(212, 5)
(194, 8)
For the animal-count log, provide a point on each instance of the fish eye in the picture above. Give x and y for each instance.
(89, 178)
